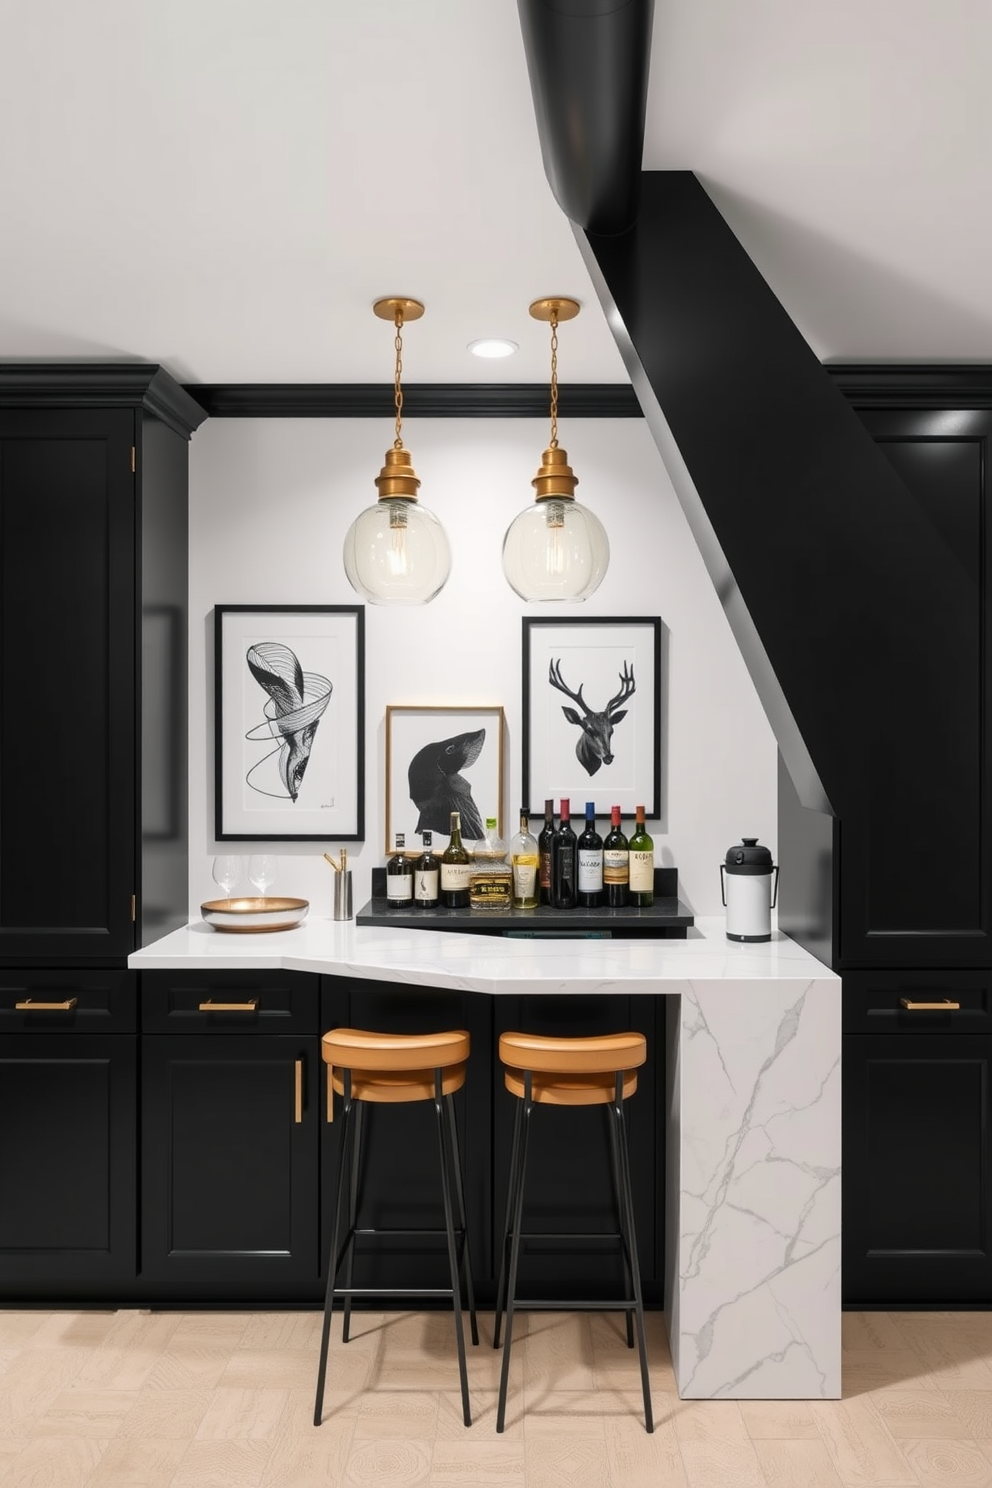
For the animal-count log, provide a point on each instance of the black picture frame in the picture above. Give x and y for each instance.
(572, 668)
(291, 677)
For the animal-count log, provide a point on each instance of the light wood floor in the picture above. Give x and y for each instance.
(225, 1400)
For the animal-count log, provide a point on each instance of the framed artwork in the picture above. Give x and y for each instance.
(591, 721)
(440, 760)
(289, 723)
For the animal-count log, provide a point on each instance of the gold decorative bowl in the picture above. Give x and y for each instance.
(250, 916)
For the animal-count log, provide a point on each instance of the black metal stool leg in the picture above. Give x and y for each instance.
(518, 1206)
(456, 1297)
(332, 1253)
(507, 1223)
(356, 1166)
(628, 1208)
(615, 1170)
(465, 1254)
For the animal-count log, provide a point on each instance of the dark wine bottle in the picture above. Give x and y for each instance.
(456, 868)
(616, 863)
(641, 864)
(590, 851)
(399, 877)
(563, 885)
(544, 851)
(426, 875)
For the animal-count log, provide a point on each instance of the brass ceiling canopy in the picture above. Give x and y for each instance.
(555, 307)
(394, 305)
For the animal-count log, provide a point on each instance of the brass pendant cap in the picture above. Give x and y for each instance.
(555, 477)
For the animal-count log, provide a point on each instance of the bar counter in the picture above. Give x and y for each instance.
(752, 1243)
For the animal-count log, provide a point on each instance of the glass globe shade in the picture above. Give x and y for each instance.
(396, 552)
(555, 549)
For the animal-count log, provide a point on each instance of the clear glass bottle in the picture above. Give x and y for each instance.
(641, 864)
(590, 853)
(426, 875)
(490, 887)
(563, 885)
(616, 863)
(456, 868)
(399, 876)
(525, 861)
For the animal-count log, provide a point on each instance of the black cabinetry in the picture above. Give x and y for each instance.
(231, 1082)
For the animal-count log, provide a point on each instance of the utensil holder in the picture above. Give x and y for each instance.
(343, 909)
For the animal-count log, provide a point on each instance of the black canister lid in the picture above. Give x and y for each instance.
(747, 857)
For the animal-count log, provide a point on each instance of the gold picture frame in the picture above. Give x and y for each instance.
(436, 764)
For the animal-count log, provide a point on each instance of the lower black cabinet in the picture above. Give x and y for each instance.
(229, 1146)
(68, 1191)
(917, 1193)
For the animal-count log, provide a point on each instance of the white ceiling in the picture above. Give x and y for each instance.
(225, 186)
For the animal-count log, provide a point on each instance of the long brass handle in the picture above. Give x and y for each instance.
(298, 1108)
(30, 1006)
(330, 1094)
(250, 1006)
(944, 1006)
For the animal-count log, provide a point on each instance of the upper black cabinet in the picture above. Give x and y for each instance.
(93, 564)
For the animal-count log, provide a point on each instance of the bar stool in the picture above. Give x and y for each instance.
(571, 1072)
(396, 1068)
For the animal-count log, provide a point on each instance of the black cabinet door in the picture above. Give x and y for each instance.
(67, 684)
(917, 1211)
(229, 1167)
(916, 856)
(68, 1192)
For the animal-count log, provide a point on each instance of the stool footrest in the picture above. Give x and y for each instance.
(368, 1230)
(570, 1235)
(393, 1292)
(569, 1304)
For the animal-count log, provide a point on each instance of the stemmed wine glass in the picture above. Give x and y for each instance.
(262, 869)
(228, 870)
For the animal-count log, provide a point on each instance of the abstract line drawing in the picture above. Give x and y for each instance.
(437, 787)
(296, 703)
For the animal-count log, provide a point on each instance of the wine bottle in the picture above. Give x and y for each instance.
(641, 864)
(616, 863)
(544, 851)
(563, 888)
(426, 875)
(590, 851)
(456, 868)
(525, 860)
(399, 877)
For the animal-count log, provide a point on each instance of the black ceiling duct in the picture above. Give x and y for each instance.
(588, 64)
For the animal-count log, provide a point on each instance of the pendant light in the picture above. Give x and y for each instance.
(396, 552)
(555, 549)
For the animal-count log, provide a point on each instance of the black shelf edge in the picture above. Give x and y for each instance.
(666, 916)
(420, 400)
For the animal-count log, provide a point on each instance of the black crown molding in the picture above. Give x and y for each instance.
(914, 385)
(420, 400)
(101, 385)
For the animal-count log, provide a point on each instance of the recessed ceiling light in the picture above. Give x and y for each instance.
(492, 346)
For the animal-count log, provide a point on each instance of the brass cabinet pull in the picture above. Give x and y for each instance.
(330, 1094)
(250, 1006)
(30, 1006)
(298, 1105)
(944, 1006)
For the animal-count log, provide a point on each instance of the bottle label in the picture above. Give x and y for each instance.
(525, 877)
(616, 865)
(399, 885)
(490, 891)
(425, 885)
(641, 872)
(546, 870)
(455, 876)
(590, 870)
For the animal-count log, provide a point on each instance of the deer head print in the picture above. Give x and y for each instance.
(593, 748)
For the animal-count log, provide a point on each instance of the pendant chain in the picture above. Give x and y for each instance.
(554, 379)
(398, 343)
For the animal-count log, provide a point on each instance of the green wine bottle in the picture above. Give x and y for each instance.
(641, 892)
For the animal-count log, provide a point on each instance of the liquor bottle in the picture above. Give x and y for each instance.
(490, 887)
(616, 863)
(456, 868)
(590, 852)
(426, 875)
(563, 888)
(544, 851)
(641, 864)
(399, 877)
(525, 861)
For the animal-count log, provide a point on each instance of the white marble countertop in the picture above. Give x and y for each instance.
(487, 963)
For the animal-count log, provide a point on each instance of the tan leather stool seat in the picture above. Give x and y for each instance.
(395, 1067)
(572, 1071)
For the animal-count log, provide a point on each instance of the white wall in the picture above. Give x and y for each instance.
(271, 500)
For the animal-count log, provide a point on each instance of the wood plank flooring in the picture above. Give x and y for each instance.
(225, 1400)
